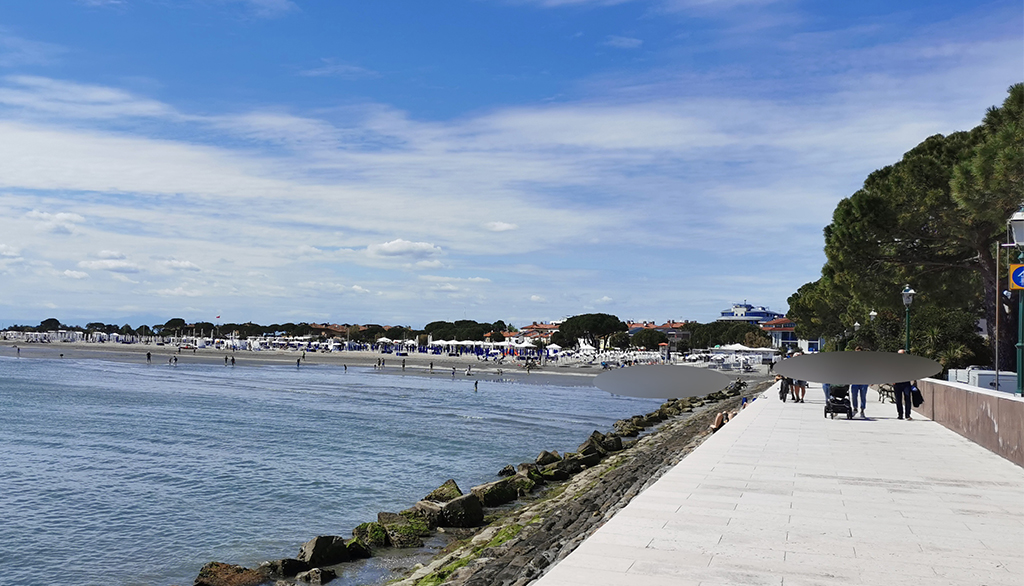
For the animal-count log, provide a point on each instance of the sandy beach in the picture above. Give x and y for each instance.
(415, 363)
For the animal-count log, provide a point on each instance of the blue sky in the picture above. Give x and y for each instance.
(401, 162)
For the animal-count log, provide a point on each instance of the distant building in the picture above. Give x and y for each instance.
(783, 333)
(752, 314)
(538, 331)
(675, 331)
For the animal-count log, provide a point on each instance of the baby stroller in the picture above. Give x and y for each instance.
(839, 401)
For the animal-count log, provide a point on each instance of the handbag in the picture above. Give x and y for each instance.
(916, 397)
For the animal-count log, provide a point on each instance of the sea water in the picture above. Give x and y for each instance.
(131, 474)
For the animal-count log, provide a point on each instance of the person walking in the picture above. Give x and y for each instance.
(859, 392)
(902, 392)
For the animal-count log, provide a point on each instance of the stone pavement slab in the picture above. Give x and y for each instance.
(783, 496)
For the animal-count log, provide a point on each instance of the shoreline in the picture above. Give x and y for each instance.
(524, 533)
(416, 364)
(455, 555)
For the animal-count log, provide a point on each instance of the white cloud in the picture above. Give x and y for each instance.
(75, 274)
(112, 265)
(178, 292)
(43, 95)
(18, 52)
(500, 226)
(537, 299)
(605, 299)
(180, 265)
(60, 223)
(343, 70)
(429, 264)
(111, 254)
(404, 248)
(9, 251)
(623, 42)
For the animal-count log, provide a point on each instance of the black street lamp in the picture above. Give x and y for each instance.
(908, 298)
(1016, 224)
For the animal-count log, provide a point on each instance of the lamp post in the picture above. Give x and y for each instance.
(1016, 224)
(908, 298)
(856, 326)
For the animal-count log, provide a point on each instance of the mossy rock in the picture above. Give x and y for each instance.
(444, 493)
(221, 574)
(417, 521)
(358, 549)
(372, 534)
(401, 532)
(496, 493)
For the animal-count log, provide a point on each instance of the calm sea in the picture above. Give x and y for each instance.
(125, 474)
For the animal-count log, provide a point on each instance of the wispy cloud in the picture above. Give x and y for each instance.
(515, 209)
(18, 52)
(330, 68)
(623, 42)
(114, 266)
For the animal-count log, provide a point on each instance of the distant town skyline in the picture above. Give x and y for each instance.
(402, 162)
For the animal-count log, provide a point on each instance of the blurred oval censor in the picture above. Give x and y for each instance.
(857, 368)
(662, 381)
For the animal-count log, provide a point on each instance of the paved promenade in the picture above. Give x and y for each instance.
(783, 496)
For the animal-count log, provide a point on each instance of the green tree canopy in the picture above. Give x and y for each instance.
(932, 220)
(649, 338)
(589, 326)
(50, 324)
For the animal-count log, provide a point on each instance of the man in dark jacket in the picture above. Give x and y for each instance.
(902, 392)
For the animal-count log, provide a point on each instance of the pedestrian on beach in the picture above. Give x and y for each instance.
(298, 362)
(19, 351)
(431, 367)
(225, 361)
(232, 361)
(149, 357)
(403, 364)
(346, 367)
(453, 372)
(476, 386)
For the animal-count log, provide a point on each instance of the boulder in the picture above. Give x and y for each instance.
(531, 471)
(317, 576)
(496, 493)
(221, 574)
(401, 531)
(444, 493)
(324, 550)
(465, 511)
(593, 446)
(547, 457)
(430, 512)
(372, 534)
(285, 568)
(612, 443)
(507, 471)
(358, 549)
(552, 473)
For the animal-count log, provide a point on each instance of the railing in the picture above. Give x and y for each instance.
(991, 419)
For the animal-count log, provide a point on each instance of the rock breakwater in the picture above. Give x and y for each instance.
(578, 491)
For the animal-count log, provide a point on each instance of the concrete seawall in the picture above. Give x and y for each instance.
(991, 419)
